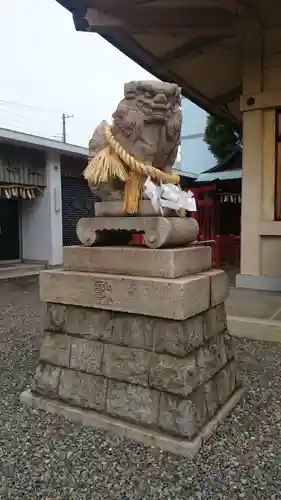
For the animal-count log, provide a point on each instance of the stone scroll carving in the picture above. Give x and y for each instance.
(158, 232)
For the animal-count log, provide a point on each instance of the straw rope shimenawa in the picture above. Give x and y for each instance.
(114, 161)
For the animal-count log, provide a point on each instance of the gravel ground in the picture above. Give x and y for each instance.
(50, 458)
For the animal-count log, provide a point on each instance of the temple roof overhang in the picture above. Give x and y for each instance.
(198, 44)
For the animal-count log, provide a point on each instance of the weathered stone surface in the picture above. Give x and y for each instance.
(93, 324)
(234, 373)
(137, 128)
(86, 355)
(83, 389)
(159, 232)
(55, 349)
(46, 379)
(183, 417)
(221, 350)
(178, 298)
(138, 261)
(229, 346)
(127, 364)
(145, 435)
(133, 402)
(211, 395)
(215, 321)
(223, 383)
(211, 358)
(132, 330)
(115, 327)
(219, 286)
(55, 318)
(178, 376)
(179, 337)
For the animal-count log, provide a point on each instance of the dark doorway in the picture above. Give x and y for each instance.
(9, 230)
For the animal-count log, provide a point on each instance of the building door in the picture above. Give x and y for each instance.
(9, 230)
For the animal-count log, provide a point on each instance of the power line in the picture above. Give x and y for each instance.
(41, 121)
(20, 104)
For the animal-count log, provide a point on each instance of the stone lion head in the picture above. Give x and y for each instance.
(147, 122)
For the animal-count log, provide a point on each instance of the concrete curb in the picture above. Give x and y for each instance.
(20, 275)
(254, 329)
(146, 436)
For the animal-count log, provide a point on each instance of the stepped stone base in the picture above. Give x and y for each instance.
(126, 430)
(147, 357)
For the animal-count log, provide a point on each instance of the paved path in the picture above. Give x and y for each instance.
(49, 458)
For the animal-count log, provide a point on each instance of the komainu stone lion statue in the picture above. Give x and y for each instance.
(142, 141)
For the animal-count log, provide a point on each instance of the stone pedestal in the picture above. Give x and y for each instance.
(145, 354)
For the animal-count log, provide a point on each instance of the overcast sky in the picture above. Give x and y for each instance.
(48, 68)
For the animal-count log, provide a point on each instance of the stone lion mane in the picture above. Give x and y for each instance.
(147, 123)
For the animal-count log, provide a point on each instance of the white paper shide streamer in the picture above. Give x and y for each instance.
(168, 196)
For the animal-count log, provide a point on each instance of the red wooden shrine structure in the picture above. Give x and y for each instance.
(225, 247)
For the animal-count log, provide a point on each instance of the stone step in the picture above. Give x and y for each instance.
(20, 271)
(178, 298)
(263, 330)
(138, 261)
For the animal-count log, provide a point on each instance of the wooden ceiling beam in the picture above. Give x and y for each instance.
(172, 18)
(212, 4)
(143, 2)
(156, 5)
(229, 96)
(126, 43)
(98, 21)
(190, 49)
(250, 7)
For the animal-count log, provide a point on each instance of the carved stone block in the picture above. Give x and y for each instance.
(179, 338)
(133, 402)
(127, 364)
(211, 395)
(211, 358)
(55, 349)
(215, 320)
(177, 376)
(223, 382)
(219, 286)
(178, 298)
(183, 417)
(83, 389)
(86, 355)
(46, 379)
(138, 261)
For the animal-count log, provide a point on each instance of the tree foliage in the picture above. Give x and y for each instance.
(222, 137)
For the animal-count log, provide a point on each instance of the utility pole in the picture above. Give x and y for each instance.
(64, 118)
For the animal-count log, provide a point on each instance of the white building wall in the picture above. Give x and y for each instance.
(41, 220)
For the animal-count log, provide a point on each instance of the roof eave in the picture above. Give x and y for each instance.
(78, 8)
